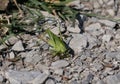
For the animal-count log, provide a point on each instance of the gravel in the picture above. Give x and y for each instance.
(59, 64)
(18, 46)
(95, 58)
(80, 40)
(24, 77)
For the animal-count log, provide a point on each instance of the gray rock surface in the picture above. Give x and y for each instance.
(100, 82)
(32, 57)
(78, 42)
(58, 71)
(59, 64)
(12, 40)
(108, 23)
(96, 51)
(1, 78)
(50, 81)
(2, 47)
(106, 38)
(112, 80)
(18, 46)
(22, 77)
(93, 27)
(40, 79)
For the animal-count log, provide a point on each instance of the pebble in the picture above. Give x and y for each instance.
(111, 55)
(117, 36)
(99, 42)
(108, 23)
(111, 12)
(93, 27)
(80, 40)
(110, 3)
(73, 82)
(118, 75)
(112, 79)
(32, 57)
(50, 81)
(12, 40)
(92, 41)
(90, 78)
(12, 55)
(106, 38)
(1, 78)
(2, 47)
(96, 4)
(21, 77)
(96, 66)
(56, 30)
(75, 29)
(108, 71)
(59, 64)
(18, 46)
(40, 79)
(118, 56)
(100, 82)
(58, 71)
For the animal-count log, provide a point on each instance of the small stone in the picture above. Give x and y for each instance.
(95, 29)
(32, 57)
(111, 55)
(50, 81)
(59, 71)
(74, 82)
(40, 79)
(31, 43)
(2, 47)
(12, 40)
(58, 78)
(56, 30)
(90, 77)
(100, 82)
(100, 2)
(108, 71)
(94, 26)
(75, 29)
(85, 73)
(117, 36)
(27, 37)
(106, 38)
(108, 23)
(110, 2)
(80, 40)
(75, 75)
(118, 56)
(111, 12)
(96, 66)
(96, 4)
(118, 75)
(45, 46)
(42, 68)
(18, 46)
(21, 77)
(93, 42)
(1, 78)
(78, 62)
(59, 64)
(112, 79)
(12, 55)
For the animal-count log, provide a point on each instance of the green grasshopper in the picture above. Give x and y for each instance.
(57, 43)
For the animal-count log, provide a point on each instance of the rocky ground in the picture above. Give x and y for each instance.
(96, 46)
